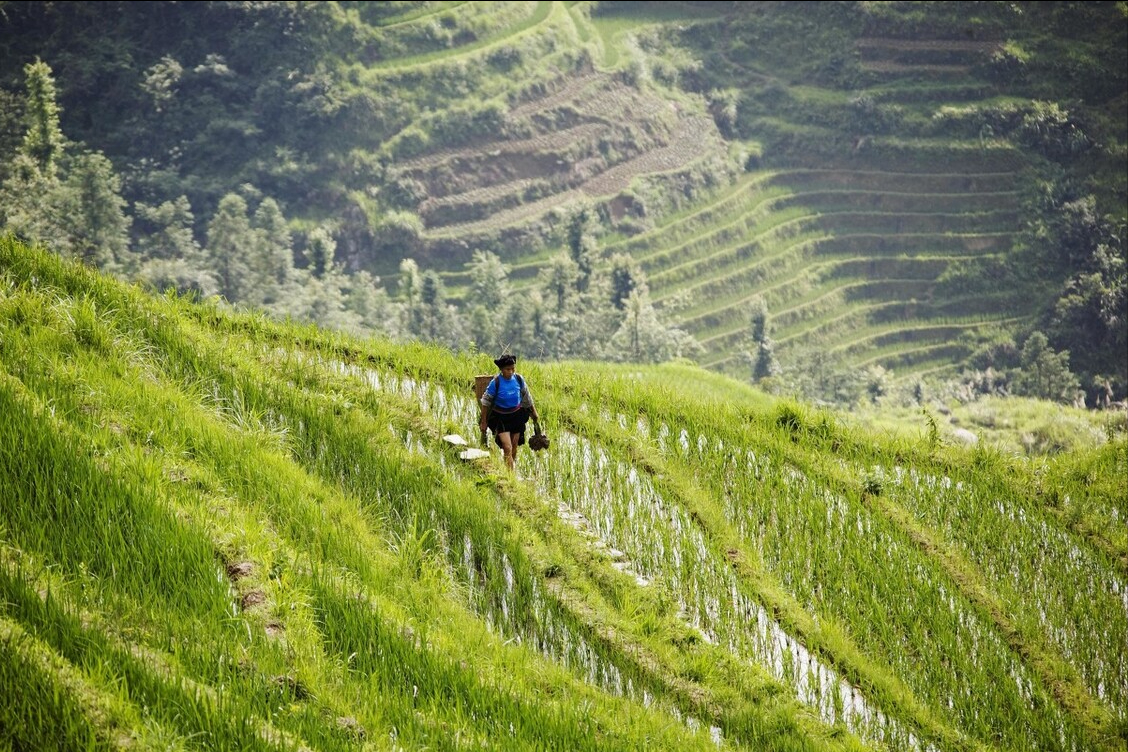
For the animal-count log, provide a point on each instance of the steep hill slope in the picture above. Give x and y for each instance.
(220, 532)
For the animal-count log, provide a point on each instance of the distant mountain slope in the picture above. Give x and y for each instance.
(220, 532)
(902, 185)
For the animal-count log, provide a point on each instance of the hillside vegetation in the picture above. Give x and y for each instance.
(218, 531)
(846, 202)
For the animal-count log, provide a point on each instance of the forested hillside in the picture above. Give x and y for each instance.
(223, 532)
(891, 203)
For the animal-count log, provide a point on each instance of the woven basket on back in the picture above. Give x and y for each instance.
(480, 384)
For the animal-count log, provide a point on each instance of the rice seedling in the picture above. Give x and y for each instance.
(224, 532)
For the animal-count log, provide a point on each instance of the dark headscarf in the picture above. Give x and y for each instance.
(505, 360)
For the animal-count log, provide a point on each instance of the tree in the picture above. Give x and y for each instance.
(320, 252)
(229, 238)
(522, 321)
(368, 299)
(1091, 314)
(626, 277)
(171, 257)
(326, 303)
(482, 328)
(559, 280)
(161, 81)
(815, 373)
(642, 338)
(29, 196)
(275, 243)
(582, 248)
(270, 256)
(1044, 373)
(489, 280)
(409, 284)
(877, 382)
(167, 231)
(93, 216)
(28, 201)
(758, 319)
(44, 140)
(765, 365)
(762, 355)
(432, 299)
(438, 321)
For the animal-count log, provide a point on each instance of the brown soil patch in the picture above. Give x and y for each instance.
(240, 569)
(252, 599)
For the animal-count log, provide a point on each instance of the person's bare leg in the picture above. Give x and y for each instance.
(508, 448)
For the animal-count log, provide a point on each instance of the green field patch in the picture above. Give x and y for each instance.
(428, 41)
(845, 257)
(853, 199)
(407, 14)
(931, 53)
(903, 182)
(723, 209)
(870, 339)
(928, 94)
(613, 23)
(741, 266)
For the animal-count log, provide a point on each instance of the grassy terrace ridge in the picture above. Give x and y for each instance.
(410, 16)
(540, 12)
(817, 299)
(782, 221)
(220, 531)
(801, 250)
(675, 156)
(716, 215)
(870, 339)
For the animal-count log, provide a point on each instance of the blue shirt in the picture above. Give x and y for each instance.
(506, 394)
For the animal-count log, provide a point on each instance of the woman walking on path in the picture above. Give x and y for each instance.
(507, 406)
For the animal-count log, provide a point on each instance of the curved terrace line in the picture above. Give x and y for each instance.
(933, 304)
(922, 326)
(606, 184)
(814, 215)
(548, 141)
(907, 357)
(540, 15)
(727, 335)
(796, 244)
(736, 303)
(770, 177)
(419, 14)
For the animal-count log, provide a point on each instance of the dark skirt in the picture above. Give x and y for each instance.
(513, 422)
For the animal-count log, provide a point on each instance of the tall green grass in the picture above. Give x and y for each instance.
(222, 532)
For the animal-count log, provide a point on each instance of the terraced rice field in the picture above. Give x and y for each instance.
(270, 537)
(860, 241)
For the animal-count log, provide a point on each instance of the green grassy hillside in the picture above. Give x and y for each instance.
(222, 532)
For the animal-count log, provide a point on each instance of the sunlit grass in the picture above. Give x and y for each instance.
(227, 532)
